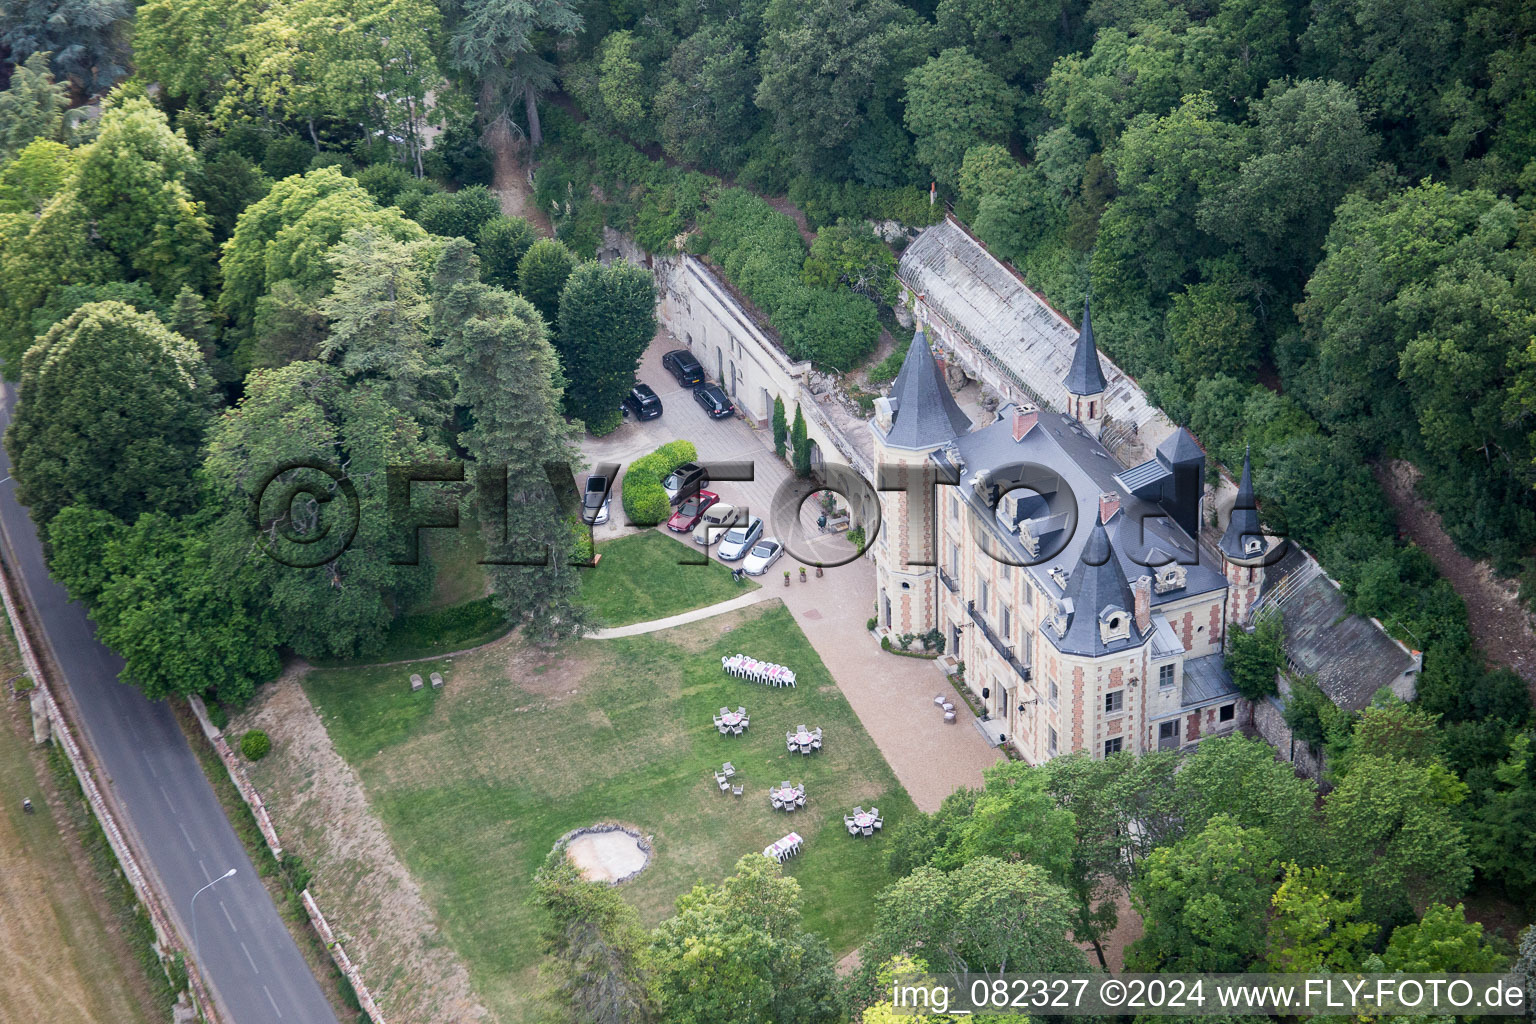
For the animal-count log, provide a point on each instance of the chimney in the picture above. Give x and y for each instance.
(1024, 419)
(1109, 504)
(1141, 590)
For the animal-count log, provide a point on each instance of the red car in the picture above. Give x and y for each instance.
(691, 511)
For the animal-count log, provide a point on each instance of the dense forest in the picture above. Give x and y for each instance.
(242, 234)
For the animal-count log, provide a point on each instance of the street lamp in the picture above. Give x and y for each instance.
(192, 912)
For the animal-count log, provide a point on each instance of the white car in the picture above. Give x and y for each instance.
(718, 518)
(739, 540)
(762, 556)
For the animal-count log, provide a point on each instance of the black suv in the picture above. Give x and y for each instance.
(642, 403)
(684, 367)
(714, 401)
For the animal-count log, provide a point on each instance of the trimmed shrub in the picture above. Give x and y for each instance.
(645, 502)
(255, 744)
(459, 214)
(501, 245)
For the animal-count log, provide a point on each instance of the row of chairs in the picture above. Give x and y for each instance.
(785, 848)
(743, 667)
(948, 706)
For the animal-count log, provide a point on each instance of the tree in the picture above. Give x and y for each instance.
(1442, 941)
(952, 103)
(494, 43)
(597, 943)
(31, 107)
(1315, 926)
(459, 214)
(1122, 807)
(181, 616)
(1016, 40)
(1390, 826)
(541, 276)
(1204, 899)
(501, 244)
(287, 236)
(1255, 657)
(125, 212)
(897, 970)
(264, 452)
(703, 107)
(1502, 829)
(1212, 332)
(509, 379)
(378, 312)
(800, 445)
(780, 427)
(112, 416)
(37, 174)
(187, 47)
(607, 319)
(828, 67)
(736, 954)
(1016, 818)
(986, 916)
(850, 254)
(87, 38)
(1240, 778)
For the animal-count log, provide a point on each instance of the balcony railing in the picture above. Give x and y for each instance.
(949, 581)
(1005, 650)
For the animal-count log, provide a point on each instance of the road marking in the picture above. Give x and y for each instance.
(150, 764)
(252, 961)
(168, 802)
(271, 1000)
(187, 835)
(230, 920)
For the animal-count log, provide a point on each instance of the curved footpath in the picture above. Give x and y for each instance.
(177, 824)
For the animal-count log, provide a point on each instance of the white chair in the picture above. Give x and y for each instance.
(723, 783)
(728, 768)
(938, 698)
(949, 716)
(736, 790)
(868, 830)
(816, 744)
(879, 823)
(741, 710)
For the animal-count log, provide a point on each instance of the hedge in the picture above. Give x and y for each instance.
(645, 502)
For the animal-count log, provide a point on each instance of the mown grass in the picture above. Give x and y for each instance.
(648, 576)
(474, 784)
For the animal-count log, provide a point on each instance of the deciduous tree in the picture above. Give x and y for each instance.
(952, 103)
(541, 276)
(607, 319)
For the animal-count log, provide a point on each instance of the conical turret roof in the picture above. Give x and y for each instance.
(1085, 377)
(925, 413)
(1245, 517)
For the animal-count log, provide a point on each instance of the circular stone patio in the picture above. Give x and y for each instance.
(607, 853)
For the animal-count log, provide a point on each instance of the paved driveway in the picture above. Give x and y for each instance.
(892, 695)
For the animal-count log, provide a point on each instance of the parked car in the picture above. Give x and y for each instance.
(684, 481)
(713, 399)
(738, 540)
(641, 402)
(716, 520)
(594, 501)
(691, 511)
(681, 364)
(762, 556)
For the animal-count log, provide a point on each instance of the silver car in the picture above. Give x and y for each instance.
(739, 540)
(762, 556)
(718, 518)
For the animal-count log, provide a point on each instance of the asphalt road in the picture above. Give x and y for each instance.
(255, 969)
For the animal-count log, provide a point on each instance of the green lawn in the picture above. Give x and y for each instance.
(646, 576)
(474, 784)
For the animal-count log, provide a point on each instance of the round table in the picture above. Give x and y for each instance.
(784, 796)
(732, 718)
(803, 739)
(864, 820)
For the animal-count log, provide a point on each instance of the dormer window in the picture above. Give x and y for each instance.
(1114, 624)
(1171, 577)
(1061, 616)
(1253, 545)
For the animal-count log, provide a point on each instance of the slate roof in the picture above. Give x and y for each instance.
(1098, 583)
(926, 414)
(1085, 377)
(1352, 657)
(1180, 447)
(1206, 679)
(1245, 516)
(1084, 470)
